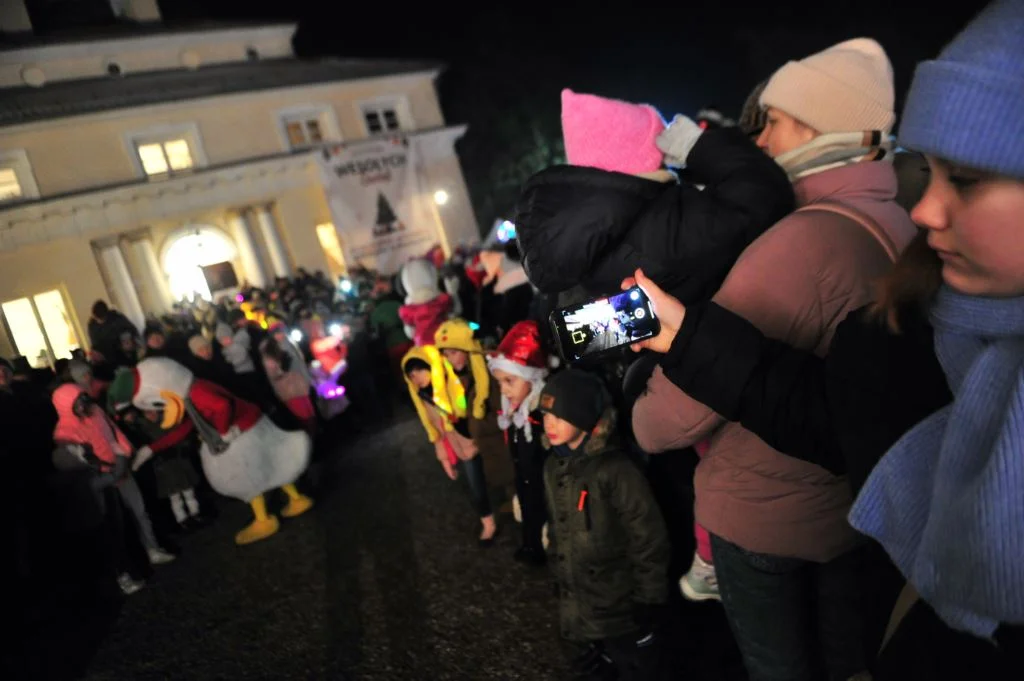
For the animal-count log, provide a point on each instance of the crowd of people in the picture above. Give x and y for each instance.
(840, 356)
(840, 344)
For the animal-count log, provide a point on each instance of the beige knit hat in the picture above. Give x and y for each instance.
(846, 88)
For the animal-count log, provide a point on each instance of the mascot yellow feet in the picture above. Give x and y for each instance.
(297, 503)
(262, 526)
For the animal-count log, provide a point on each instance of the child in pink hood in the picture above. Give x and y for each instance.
(102, 445)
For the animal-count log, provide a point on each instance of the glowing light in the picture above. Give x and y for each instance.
(441, 197)
(295, 335)
(334, 329)
(240, 298)
(474, 326)
(332, 392)
(506, 231)
(635, 295)
(346, 286)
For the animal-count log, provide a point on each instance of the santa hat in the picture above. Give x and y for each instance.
(611, 135)
(520, 353)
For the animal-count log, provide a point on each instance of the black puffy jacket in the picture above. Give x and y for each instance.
(608, 545)
(583, 225)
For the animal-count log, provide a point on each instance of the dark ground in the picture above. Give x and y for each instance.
(383, 580)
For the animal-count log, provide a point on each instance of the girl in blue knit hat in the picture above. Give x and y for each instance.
(920, 399)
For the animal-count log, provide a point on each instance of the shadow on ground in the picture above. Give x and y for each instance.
(382, 581)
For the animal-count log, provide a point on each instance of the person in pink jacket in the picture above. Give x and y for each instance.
(786, 559)
(89, 432)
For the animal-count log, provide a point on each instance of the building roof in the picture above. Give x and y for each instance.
(73, 98)
(122, 29)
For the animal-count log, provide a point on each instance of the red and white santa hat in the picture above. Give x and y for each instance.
(520, 353)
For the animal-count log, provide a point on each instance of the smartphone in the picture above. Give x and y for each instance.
(592, 329)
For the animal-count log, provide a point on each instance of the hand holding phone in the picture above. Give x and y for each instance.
(670, 311)
(600, 326)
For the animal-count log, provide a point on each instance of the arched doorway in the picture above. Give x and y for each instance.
(188, 251)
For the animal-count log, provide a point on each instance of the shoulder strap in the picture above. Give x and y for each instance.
(865, 221)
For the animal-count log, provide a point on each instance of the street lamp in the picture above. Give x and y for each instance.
(440, 197)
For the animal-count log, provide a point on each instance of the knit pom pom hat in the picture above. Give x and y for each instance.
(967, 106)
(845, 88)
(610, 135)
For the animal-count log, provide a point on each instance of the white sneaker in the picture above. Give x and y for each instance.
(700, 583)
(159, 556)
(128, 585)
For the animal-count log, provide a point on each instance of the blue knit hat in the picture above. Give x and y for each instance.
(967, 106)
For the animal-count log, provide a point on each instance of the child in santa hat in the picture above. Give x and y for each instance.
(520, 366)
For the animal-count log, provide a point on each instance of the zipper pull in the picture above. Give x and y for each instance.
(584, 507)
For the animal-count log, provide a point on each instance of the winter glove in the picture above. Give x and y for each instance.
(678, 140)
(143, 455)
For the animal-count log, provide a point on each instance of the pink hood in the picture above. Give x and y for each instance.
(96, 430)
(426, 317)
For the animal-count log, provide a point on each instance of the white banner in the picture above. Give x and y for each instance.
(373, 189)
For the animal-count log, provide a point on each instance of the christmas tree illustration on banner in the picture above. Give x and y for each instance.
(387, 222)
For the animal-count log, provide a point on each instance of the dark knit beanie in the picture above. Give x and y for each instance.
(575, 396)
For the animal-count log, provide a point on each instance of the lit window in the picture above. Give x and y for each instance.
(178, 154)
(10, 188)
(161, 158)
(303, 132)
(381, 119)
(41, 328)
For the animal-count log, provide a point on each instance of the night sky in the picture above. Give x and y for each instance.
(507, 64)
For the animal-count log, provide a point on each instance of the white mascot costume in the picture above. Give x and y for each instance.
(243, 453)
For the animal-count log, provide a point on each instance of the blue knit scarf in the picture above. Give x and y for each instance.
(947, 501)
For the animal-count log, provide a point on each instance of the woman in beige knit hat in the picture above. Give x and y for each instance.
(788, 563)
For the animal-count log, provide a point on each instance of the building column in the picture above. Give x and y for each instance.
(272, 240)
(247, 252)
(153, 275)
(122, 288)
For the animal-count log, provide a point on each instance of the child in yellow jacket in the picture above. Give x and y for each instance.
(440, 401)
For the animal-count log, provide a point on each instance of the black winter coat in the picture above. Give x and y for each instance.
(608, 545)
(842, 411)
(581, 225)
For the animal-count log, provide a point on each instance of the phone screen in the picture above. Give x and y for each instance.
(604, 324)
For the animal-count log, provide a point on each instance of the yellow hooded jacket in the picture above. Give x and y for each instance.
(456, 335)
(449, 396)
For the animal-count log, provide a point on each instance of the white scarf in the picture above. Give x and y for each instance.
(520, 417)
(835, 150)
